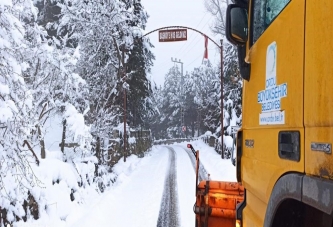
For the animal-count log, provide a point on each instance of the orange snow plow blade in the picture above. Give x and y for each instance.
(216, 201)
(216, 204)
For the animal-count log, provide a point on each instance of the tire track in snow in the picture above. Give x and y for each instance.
(169, 214)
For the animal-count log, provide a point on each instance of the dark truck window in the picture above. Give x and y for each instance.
(264, 12)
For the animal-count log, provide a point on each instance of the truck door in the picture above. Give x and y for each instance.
(273, 131)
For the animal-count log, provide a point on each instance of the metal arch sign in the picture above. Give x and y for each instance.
(172, 35)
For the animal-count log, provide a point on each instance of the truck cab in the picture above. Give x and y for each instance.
(284, 149)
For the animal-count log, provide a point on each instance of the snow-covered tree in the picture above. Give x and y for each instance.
(231, 78)
(113, 59)
(153, 119)
(207, 89)
(232, 90)
(16, 109)
(72, 62)
(53, 83)
(37, 80)
(172, 101)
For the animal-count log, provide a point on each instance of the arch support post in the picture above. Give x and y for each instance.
(222, 131)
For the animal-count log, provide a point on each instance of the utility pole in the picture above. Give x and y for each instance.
(222, 83)
(198, 121)
(182, 111)
(125, 100)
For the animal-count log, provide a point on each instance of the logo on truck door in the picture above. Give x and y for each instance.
(270, 98)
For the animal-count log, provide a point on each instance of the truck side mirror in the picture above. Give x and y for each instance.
(236, 24)
(237, 34)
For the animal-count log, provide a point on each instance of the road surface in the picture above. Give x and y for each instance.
(157, 190)
(169, 214)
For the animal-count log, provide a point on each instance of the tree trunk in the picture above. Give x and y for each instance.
(42, 143)
(98, 155)
(98, 150)
(63, 136)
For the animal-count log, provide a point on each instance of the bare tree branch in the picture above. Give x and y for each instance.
(217, 9)
(30, 148)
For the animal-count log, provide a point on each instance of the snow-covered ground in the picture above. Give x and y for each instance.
(135, 198)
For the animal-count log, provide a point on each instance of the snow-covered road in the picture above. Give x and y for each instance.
(169, 213)
(140, 196)
(136, 199)
(139, 199)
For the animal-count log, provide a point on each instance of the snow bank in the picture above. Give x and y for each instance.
(218, 168)
(59, 182)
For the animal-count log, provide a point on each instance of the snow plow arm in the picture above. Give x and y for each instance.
(216, 201)
(196, 155)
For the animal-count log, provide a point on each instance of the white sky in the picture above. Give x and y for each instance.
(189, 13)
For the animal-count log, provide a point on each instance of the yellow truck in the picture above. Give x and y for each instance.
(284, 148)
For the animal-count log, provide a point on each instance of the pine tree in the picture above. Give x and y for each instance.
(171, 104)
(207, 89)
(190, 107)
(138, 66)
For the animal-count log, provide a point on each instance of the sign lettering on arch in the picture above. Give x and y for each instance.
(172, 35)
